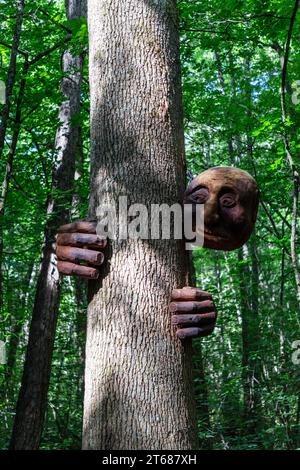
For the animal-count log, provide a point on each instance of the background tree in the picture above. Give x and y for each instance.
(32, 400)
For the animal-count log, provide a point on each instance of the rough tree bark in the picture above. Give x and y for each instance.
(138, 389)
(32, 401)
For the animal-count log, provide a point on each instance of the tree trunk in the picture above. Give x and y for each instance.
(14, 139)
(32, 401)
(292, 159)
(201, 387)
(16, 331)
(81, 308)
(10, 81)
(251, 361)
(9, 165)
(11, 74)
(138, 388)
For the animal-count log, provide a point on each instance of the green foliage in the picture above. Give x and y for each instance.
(231, 82)
(79, 33)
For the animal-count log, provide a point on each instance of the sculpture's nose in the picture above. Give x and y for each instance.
(211, 213)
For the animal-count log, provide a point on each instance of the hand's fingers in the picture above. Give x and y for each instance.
(190, 293)
(189, 307)
(81, 239)
(194, 320)
(70, 269)
(80, 226)
(194, 332)
(75, 255)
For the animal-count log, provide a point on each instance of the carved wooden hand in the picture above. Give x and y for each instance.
(193, 312)
(78, 243)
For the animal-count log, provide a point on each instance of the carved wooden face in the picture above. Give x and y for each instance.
(230, 197)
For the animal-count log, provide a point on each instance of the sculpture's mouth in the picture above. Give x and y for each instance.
(215, 235)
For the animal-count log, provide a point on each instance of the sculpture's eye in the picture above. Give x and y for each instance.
(228, 200)
(201, 195)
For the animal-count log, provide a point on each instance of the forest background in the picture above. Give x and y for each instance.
(241, 92)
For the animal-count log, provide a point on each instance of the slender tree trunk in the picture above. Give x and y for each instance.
(9, 165)
(292, 159)
(7, 392)
(14, 139)
(201, 389)
(11, 74)
(80, 285)
(81, 308)
(10, 81)
(138, 387)
(16, 330)
(249, 287)
(251, 361)
(230, 399)
(32, 401)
